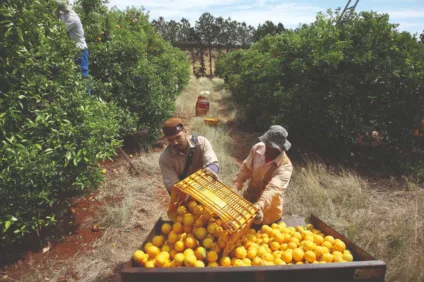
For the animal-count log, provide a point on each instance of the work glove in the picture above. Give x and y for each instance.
(211, 173)
(259, 217)
(238, 186)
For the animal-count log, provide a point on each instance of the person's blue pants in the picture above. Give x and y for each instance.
(83, 62)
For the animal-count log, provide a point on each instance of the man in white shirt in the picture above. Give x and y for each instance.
(75, 32)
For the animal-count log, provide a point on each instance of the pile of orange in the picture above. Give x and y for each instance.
(197, 238)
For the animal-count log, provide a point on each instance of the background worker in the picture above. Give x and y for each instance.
(269, 170)
(76, 32)
(185, 154)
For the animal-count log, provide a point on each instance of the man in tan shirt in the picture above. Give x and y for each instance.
(173, 159)
(269, 170)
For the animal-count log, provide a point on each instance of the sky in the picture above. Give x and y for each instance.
(408, 13)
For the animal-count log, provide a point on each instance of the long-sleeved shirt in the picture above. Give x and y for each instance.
(74, 28)
(267, 181)
(172, 162)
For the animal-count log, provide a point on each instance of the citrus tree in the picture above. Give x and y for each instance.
(133, 67)
(333, 86)
(52, 133)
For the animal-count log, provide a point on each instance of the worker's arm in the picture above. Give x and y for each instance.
(276, 186)
(245, 171)
(169, 175)
(210, 159)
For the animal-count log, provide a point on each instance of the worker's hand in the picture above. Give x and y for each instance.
(211, 173)
(259, 217)
(238, 186)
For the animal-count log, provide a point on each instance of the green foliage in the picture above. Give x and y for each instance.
(52, 133)
(132, 66)
(332, 86)
(268, 28)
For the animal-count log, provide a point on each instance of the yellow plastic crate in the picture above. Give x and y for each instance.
(236, 213)
(211, 121)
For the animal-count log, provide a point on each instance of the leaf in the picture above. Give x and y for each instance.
(14, 218)
(68, 155)
(20, 35)
(38, 146)
(7, 225)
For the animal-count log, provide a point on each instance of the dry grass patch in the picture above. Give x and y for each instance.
(388, 224)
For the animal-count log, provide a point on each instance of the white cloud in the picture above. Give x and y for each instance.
(406, 14)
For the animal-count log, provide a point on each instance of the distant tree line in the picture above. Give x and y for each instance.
(213, 32)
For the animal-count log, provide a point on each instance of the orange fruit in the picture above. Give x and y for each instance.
(200, 253)
(200, 233)
(327, 257)
(338, 258)
(207, 243)
(177, 228)
(199, 263)
(181, 210)
(179, 246)
(279, 261)
(298, 254)
(247, 262)
(147, 246)
(238, 262)
(166, 228)
(150, 264)
(275, 246)
(329, 239)
(190, 242)
(347, 257)
(339, 245)
(158, 240)
(225, 261)
(310, 256)
(190, 260)
(188, 219)
(211, 256)
(153, 251)
(240, 252)
(287, 256)
(257, 261)
(140, 257)
(173, 237)
(252, 252)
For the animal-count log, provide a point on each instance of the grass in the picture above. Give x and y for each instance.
(386, 223)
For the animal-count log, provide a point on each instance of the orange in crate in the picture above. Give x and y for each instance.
(235, 212)
(212, 121)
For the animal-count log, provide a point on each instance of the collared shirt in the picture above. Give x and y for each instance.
(172, 162)
(74, 28)
(267, 181)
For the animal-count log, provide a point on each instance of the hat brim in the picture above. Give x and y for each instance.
(284, 147)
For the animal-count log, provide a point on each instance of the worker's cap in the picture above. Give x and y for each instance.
(172, 127)
(276, 137)
(63, 6)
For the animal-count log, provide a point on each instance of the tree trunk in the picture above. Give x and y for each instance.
(210, 62)
(193, 59)
(202, 62)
